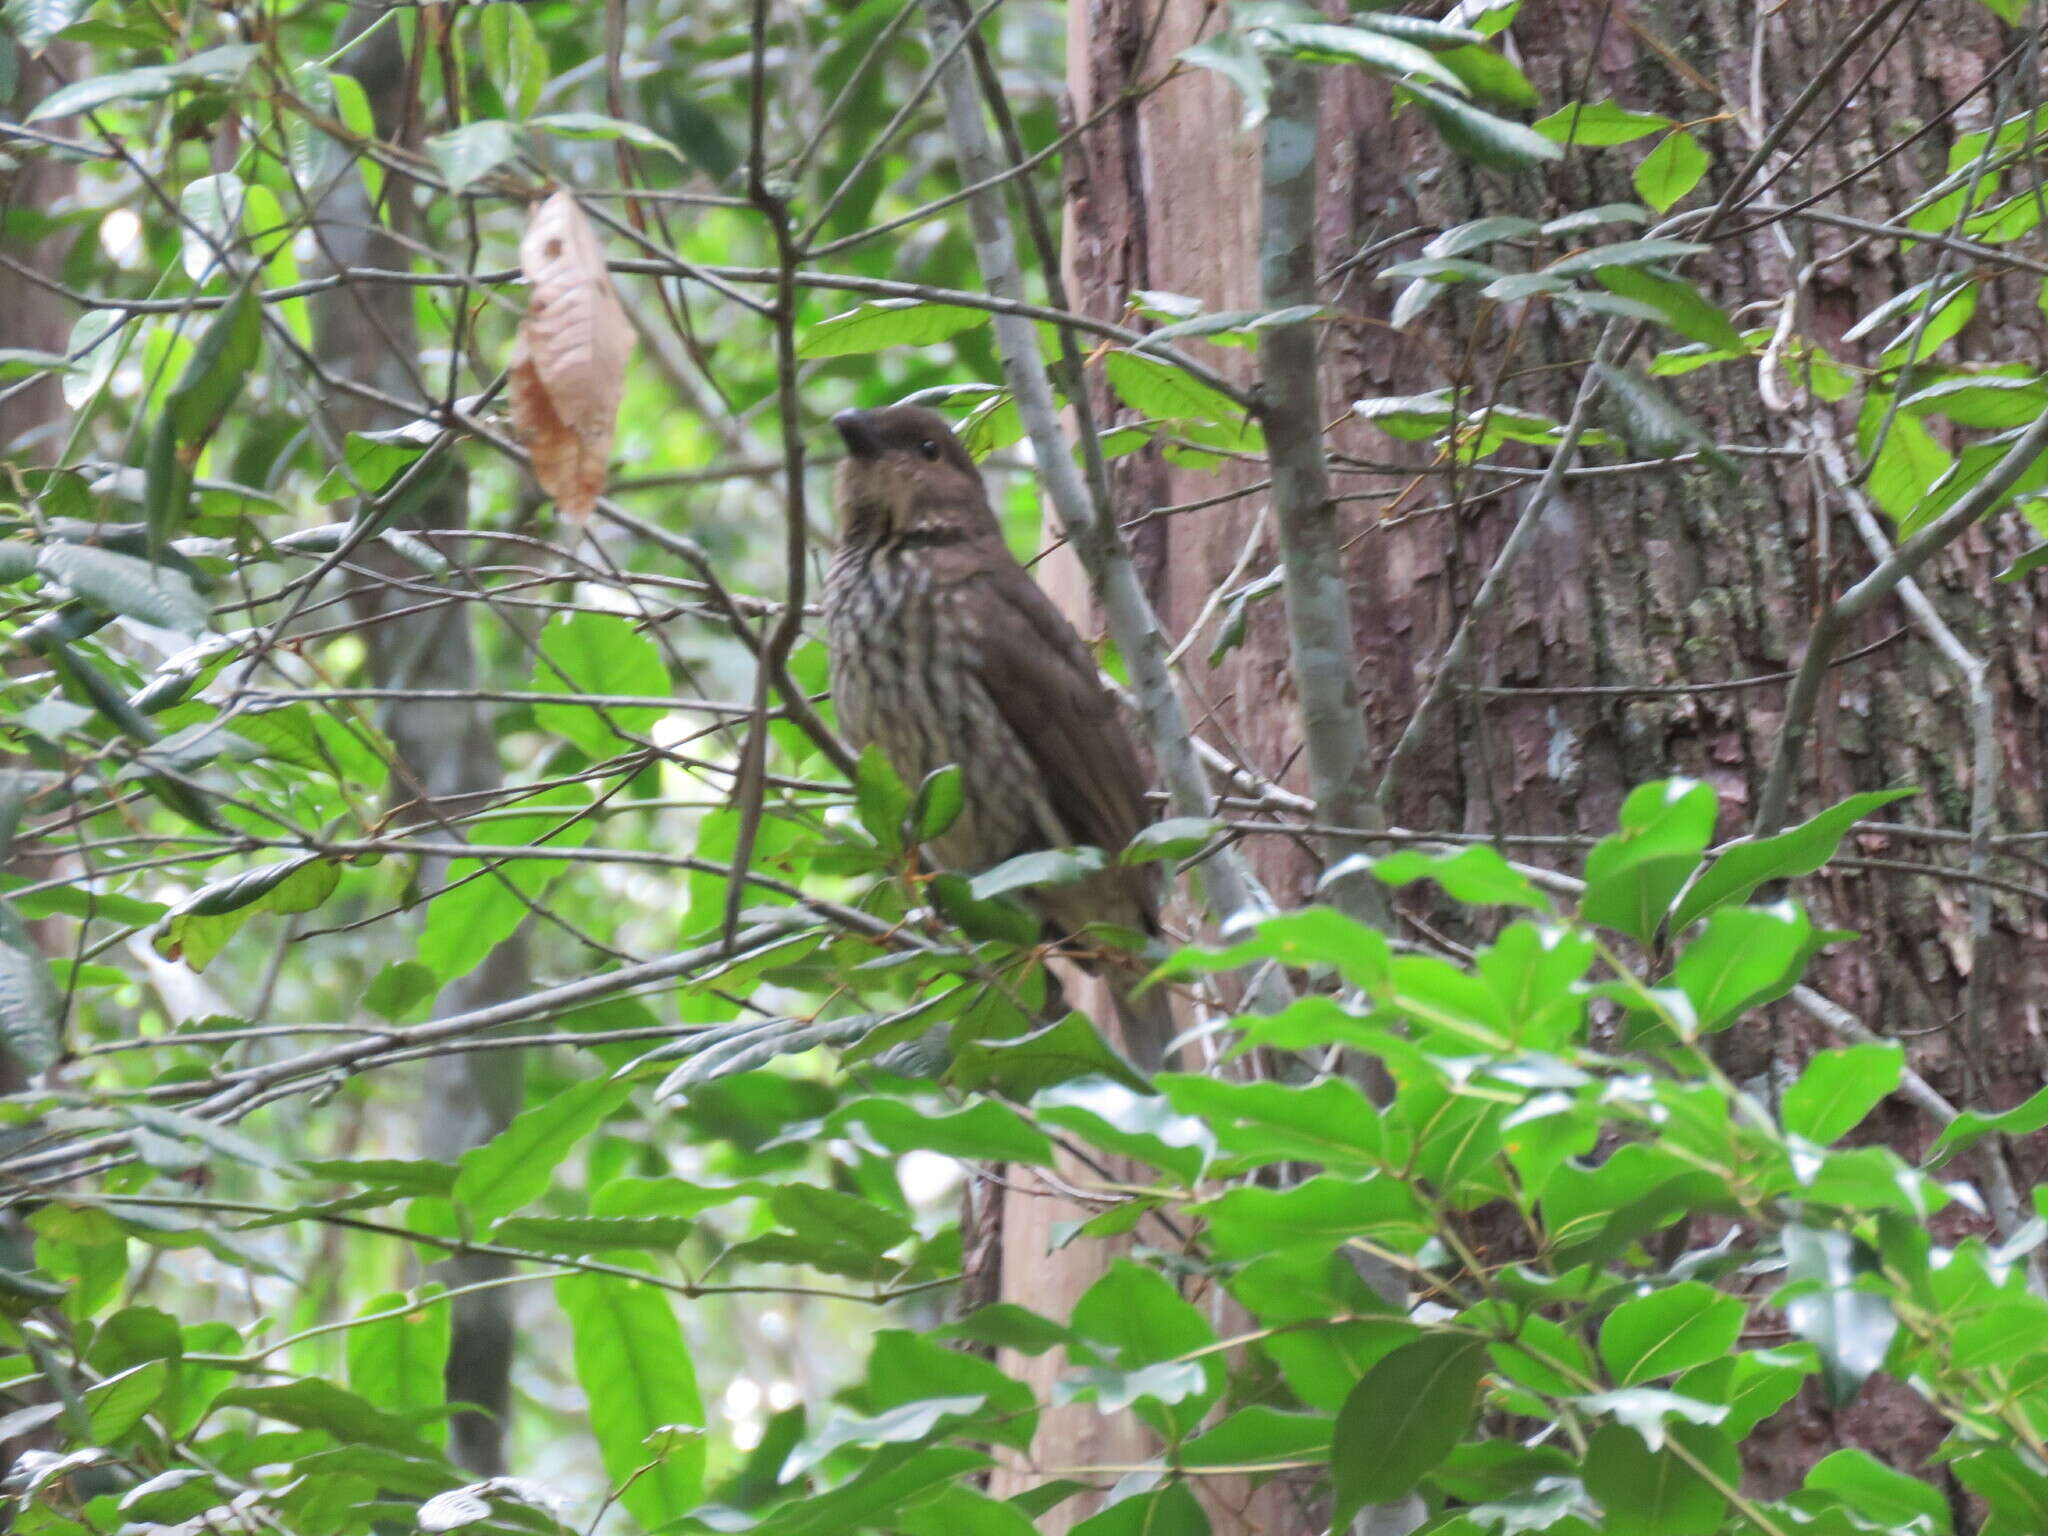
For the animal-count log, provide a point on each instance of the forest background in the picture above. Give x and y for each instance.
(1560, 486)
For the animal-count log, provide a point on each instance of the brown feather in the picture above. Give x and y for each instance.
(945, 651)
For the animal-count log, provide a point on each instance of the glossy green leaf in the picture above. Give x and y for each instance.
(1598, 124)
(116, 1405)
(597, 653)
(515, 1167)
(30, 1004)
(1839, 1087)
(1850, 1326)
(217, 65)
(1632, 876)
(881, 323)
(1669, 1330)
(1670, 170)
(398, 1362)
(1661, 1493)
(637, 1375)
(1403, 1419)
(1805, 848)
(1477, 876)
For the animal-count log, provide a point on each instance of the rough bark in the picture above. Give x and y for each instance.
(1638, 580)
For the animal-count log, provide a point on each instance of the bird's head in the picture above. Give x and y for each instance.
(905, 473)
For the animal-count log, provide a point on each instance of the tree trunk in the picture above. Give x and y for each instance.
(1635, 581)
(444, 750)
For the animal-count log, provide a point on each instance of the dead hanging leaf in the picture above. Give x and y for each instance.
(569, 361)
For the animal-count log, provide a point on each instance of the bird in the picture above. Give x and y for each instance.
(944, 651)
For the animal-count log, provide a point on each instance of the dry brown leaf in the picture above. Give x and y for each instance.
(569, 361)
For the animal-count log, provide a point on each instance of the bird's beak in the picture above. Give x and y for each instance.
(858, 428)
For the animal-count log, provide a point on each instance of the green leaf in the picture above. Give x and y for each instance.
(1632, 875)
(406, 1176)
(1752, 1385)
(1329, 1122)
(595, 125)
(1159, 389)
(1321, 1213)
(1802, 850)
(1000, 919)
(983, 1131)
(1993, 402)
(1019, 1068)
(1906, 465)
(515, 1166)
(1177, 837)
(1839, 1087)
(879, 798)
(1475, 876)
(1327, 43)
(2023, 1119)
(398, 1363)
(125, 585)
(2025, 564)
(1460, 238)
(1233, 327)
(35, 22)
(1048, 866)
(1658, 1493)
(116, 1405)
(514, 58)
(473, 915)
(1311, 936)
(1678, 304)
(840, 1221)
(937, 804)
(368, 467)
(1402, 1420)
(30, 1005)
(1477, 134)
(598, 653)
(1142, 1126)
(1598, 124)
(198, 928)
(1745, 957)
(1008, 1326)
(888, 1481)
(2011, 1484)
(1623, 253)
(1669, 1330)
(883, 323)
(636, 1373)
(221, 364)
(1232, 56)
(402, 992)
(1670, 170)
(1490, 75)
(1891, 1500)
(465, 155)
(1851, 1328)
(311, 1403)
(1440, 269)
(1261, 1434)
(216, 65)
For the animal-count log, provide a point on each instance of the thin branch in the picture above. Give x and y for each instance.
(1319, 630)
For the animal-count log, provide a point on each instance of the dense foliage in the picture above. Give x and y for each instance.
(765, 1046)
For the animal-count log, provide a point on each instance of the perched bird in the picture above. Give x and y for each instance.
(944, 650)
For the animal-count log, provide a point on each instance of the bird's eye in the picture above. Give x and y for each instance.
(929, 449)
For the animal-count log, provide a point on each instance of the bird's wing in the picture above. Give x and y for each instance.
(1045, 687)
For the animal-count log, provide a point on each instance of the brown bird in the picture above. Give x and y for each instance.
(945, 651)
